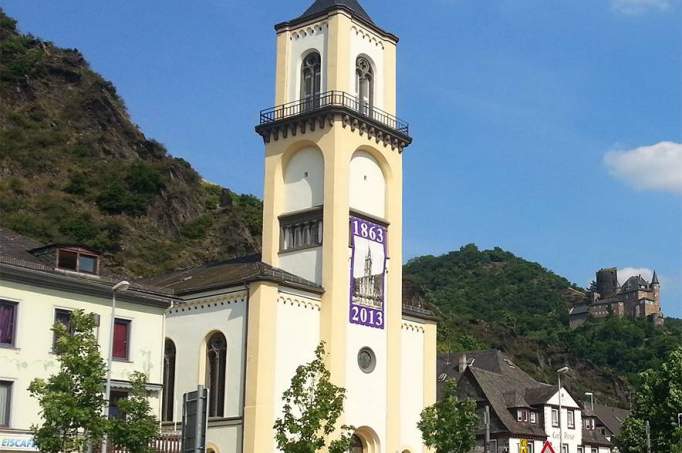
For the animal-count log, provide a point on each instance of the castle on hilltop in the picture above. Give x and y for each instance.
(636, 298)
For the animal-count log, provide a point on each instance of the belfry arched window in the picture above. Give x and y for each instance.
(311, 80)
(364, 84)
(168, 380)
(216, 360)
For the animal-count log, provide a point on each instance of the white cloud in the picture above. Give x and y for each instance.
(640, 6)
(655, 167)
(627, 272)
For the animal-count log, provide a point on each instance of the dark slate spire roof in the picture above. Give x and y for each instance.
(654, 279)
(323, 6)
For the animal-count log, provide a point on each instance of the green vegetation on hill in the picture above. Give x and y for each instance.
(493, 299)
(75, 168)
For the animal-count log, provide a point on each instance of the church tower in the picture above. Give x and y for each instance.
(333, 216)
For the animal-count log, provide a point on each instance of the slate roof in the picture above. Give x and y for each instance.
(579, 309)
(504, 385)
(595, 438)
(16, 246)
(612, 417)
(323, 6)
(225, 274)
(633, 283)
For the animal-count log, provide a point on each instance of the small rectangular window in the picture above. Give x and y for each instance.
(525, 416)
(87, 264)
(62, 317)
(581, 450)
(594, 450)
(533, 417)
(67, 260)
(531, 447)
(571, 419)
(301, 231)
(8, 319)
(519, 415)
(564, 448)
(121, 339)
(5, 402)
(555, 418)
(114, 410)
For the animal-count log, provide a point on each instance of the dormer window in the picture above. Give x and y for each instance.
(77, 260)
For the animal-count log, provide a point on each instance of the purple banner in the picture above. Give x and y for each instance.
(367, 273)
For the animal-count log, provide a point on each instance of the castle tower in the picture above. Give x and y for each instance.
(333, 213)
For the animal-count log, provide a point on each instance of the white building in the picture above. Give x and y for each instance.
(524, 414)
(40, 286)
(331, 263)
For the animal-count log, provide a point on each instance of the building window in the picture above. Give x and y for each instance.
(525, 416)
(311, 81)
(571, 419)
(581, 450)
(519, 415)
(301, 231)
(114, 398)
(5, 402)
(531, 447)
(121, 345)
(168, 381)
(555, 418)
(364, 84)
(594, 450)
(62, 317)
(564, 448)
(77, 261)
(8, 319)
(533, 417)
(216, 360)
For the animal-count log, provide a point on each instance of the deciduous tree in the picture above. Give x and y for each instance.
(71, 401)
(658, 400)
(448, 425)
(312, 407)
(137, 427)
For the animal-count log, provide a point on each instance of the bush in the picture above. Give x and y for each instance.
(197, 228)
(144, 179)
(116, 199)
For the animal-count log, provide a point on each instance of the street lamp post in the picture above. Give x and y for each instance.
(118, 287)
(559, 372)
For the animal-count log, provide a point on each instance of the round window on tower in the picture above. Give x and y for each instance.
(367, 360)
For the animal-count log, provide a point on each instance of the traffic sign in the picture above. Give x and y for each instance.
(548, 448)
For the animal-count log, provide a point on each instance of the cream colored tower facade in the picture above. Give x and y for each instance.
(333, 215)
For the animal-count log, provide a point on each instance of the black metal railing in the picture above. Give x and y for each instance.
(333, 99)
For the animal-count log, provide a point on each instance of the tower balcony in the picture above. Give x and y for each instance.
(321, 111)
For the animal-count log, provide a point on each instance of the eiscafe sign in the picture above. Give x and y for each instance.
(16, 442)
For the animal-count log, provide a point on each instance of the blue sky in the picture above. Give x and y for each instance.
(552, 129)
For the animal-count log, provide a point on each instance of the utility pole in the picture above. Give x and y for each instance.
(487, 429)
(648, 437)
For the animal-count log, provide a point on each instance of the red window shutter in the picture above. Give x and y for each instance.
(120, 350)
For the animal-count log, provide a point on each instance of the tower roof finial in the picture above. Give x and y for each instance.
(654, 279)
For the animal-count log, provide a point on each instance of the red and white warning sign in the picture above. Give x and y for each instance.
(548, 448)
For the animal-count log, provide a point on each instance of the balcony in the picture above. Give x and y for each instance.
(307, 114)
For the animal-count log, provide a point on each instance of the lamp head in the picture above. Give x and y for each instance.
(563, 370)
(121, 286)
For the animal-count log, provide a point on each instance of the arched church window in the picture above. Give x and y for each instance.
(364, 84)
(216, 360)
(168, 380)
(311, 80)
(356, 445)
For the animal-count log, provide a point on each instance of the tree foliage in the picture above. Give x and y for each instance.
(138, 426)
(71, 401)
(312, 407)
(658, 400)
(448, 426)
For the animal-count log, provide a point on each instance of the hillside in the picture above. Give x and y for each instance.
(493, 299)
(75, 168)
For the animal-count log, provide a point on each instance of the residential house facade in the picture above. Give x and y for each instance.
(43, 285)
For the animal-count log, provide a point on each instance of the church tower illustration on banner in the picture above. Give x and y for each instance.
(333, 216)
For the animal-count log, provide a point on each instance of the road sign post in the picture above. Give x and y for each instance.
(194, 420)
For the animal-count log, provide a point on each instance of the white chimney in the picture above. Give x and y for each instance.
(462, 362)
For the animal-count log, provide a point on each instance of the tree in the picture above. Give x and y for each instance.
(658, 400)
(138, 427)
(71, 401)
(448, 425)
(312, 406)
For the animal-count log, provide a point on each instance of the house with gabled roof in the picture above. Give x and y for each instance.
(524, 413)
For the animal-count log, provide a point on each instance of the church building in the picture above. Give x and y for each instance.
(331, 263)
